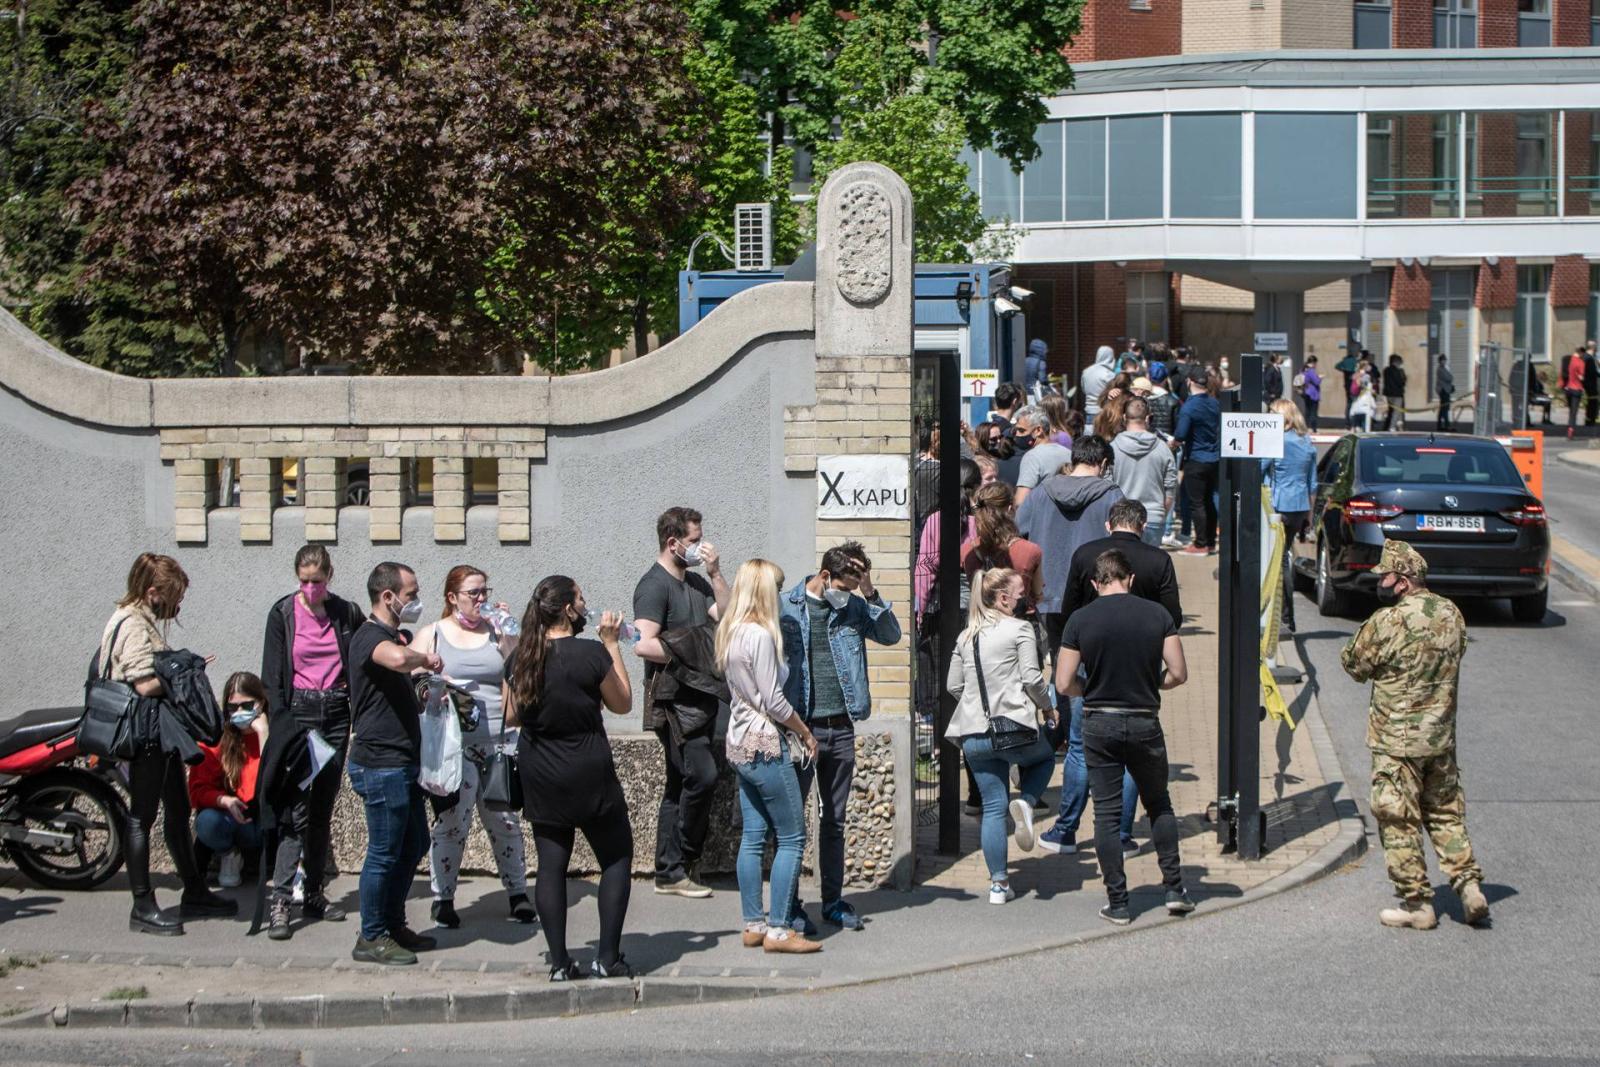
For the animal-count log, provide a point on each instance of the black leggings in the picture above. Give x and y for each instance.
(611, 838)
(156, 779)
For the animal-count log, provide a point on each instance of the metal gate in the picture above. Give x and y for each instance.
(936, 591)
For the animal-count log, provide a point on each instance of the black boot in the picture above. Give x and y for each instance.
(202, 860)
(148, 918)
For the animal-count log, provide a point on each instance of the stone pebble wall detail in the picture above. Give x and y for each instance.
(869, 835)
(865, 263)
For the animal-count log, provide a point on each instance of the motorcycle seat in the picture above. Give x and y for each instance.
(36, 727)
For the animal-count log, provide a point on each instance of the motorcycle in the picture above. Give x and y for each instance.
(61, 822)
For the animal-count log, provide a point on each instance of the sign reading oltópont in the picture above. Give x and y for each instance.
(863, 487)
(1252, 436)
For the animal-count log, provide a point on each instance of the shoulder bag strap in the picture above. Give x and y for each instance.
(111, 650)
(983, 686)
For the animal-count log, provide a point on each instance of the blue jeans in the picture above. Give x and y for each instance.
(215, 829)
(1075, 780)
(397, 839)
(769, 798)
(992, 770)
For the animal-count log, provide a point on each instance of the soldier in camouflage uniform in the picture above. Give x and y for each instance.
(1411, 650)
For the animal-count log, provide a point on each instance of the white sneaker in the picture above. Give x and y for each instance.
(1001, 893)
(231, 871)
(1022, 815)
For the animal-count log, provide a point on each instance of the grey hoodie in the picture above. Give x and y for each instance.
(1063, 513)
(1095, 379)
(1145, 469)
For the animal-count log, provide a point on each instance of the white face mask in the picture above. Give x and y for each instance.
(836, 598)
(690, 556)
(412, 612)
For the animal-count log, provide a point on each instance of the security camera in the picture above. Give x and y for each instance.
(1019, 293)
(1002, 306)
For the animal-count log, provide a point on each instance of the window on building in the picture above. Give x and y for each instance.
(1582, 162)
(1000, 188)
(1086, 169)
(1530, 329)
(1594, 22)
(1455, 23)
(969, 159)
(1373, 19)
(1411, 165)
(1533, 23)
(1135, 169)
(1147, 304)
(1042, 177)
(1510, 164)
(1305, 166)
(1207, 164)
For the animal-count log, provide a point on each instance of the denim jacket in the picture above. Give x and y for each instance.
(847, 633)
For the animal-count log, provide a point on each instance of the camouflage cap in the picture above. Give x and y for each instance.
(1400, 558)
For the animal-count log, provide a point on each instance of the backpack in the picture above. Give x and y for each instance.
(1300, 380)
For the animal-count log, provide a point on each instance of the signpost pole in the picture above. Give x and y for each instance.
(1226, 611)
(1245, 619)
(949, 579)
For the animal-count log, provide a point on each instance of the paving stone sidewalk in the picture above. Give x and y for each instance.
(682, 949)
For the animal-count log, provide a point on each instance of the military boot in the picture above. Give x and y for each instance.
(1474, 905)
(1415, 914)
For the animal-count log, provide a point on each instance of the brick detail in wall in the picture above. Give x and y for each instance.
(1124, 29)
(1412, 25)
(1496, 286)
(1569, 23)
(1569, 282)
(864, 408)
(324, 454)
(1497, 23)
(1580, 127)
(1410, 288)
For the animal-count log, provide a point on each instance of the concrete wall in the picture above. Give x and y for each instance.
(99, 468)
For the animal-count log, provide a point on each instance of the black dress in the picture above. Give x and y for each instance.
(569, 779)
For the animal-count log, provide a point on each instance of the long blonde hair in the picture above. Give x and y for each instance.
(981, 612)
(1292, 419)
(754, 599)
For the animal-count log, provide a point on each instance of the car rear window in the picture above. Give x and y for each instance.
(1448, 463)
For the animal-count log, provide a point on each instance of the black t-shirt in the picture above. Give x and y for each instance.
(563, 755)
(1120, 638)
(670, 604)
(386, 720)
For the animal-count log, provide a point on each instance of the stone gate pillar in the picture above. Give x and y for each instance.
(862, 421)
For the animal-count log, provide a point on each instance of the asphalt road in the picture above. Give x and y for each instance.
(1305, 977)
(1573, 498)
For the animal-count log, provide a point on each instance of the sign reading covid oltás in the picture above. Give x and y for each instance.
(863, 487)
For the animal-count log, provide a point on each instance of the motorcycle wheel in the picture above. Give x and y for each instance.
(75, 802)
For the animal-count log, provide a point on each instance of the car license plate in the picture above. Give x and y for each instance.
(1450, 523)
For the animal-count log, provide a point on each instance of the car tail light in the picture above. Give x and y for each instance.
(1531, 514)
(1360, 509)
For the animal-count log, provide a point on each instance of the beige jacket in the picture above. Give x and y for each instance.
(1011, 672)
(134, 658)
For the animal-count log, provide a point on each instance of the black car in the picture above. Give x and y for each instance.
(1459, 500)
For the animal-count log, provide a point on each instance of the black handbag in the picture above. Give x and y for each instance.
(502, 785)
(1005, 733)
(106, 729)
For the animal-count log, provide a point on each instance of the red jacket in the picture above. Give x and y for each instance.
(207, 783)
(1572, 375)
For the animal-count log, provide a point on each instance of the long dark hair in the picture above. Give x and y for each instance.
(546, 608)
(230, 750)
(996, 528)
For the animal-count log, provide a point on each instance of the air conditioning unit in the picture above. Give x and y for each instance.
(752, 231)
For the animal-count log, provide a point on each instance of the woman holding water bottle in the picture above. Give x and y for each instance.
(469, 642)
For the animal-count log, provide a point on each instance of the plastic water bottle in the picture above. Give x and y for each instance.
(502, 620)
(626, 634)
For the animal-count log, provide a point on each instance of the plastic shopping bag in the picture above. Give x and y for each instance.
(441, 742)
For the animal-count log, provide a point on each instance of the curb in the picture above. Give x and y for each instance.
(1572, 576)
(595, 997)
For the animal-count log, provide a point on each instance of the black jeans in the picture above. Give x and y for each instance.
(1114, 742)
(611, 838)
(834, 770)
(303, 832)
(685, 802)
(1200, 486)
(1444, 414)
(156, 780)
(1309, 406)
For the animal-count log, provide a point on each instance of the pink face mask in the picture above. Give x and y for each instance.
(314, 592)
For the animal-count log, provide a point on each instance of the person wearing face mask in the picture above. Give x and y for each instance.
(1410, 649)
(671, 598)
(304, 670)
(222, 786)
(470, 648)
(1043, 457)
(385, 759)
(826, 620)
(133, 636)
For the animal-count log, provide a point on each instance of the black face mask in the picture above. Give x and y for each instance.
(578, 623)
(1388, 594)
